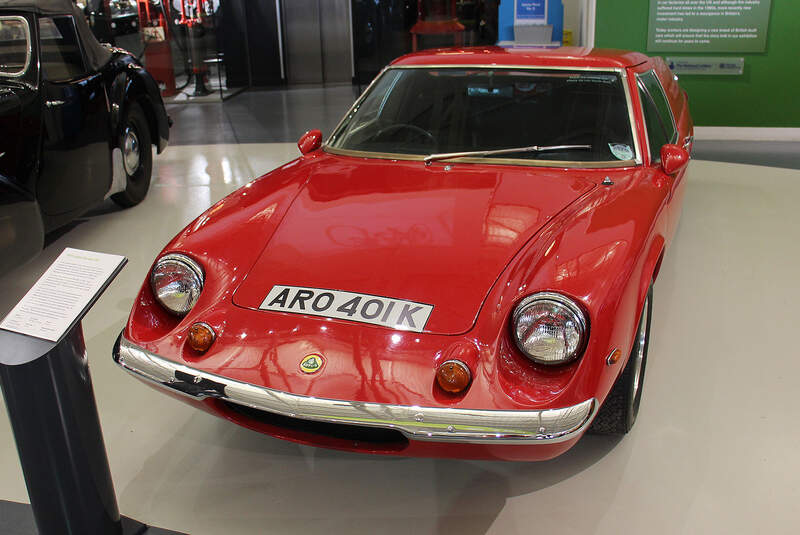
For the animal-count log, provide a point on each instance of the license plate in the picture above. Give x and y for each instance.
(363, 308)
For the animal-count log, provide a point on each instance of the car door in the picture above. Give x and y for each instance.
(20, 120)
(75, 167)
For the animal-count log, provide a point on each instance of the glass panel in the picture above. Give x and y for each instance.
(437, 9)
(15, 46)
(656, 134)
(385, 29)
(61, 57)
(652, 86)
(434, 110)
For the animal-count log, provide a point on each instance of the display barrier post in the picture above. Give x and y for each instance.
(44, 375)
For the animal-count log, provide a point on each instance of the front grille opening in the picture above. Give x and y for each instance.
(349, 436)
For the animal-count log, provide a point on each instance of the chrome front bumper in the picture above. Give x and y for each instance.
(417, 423)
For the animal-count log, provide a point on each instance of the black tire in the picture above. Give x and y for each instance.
(137, 180)
(618, 413)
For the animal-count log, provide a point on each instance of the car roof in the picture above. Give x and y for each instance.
(96, 54)
(45, 7)
(525, 56)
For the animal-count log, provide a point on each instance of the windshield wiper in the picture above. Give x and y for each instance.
(533, 148)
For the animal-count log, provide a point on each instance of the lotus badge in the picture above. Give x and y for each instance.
(312, 363)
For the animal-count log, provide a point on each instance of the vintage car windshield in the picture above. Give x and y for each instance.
(430, 110)
(15, 46)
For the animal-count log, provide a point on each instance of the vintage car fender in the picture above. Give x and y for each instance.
(136, 84)
(255, 211)
(607, 236)
(653, 264)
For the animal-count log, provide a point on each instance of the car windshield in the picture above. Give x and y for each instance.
(15, 46)
(424, 111)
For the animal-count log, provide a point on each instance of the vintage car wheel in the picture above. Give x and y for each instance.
(618, 413)
(137, 157)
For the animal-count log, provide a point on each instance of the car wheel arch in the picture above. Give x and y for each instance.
(117, 97)
(649, 272)
(651, 265)
(127, 88)
(149, 112)
(638, 292)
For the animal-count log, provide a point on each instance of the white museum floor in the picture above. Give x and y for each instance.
(715, 449)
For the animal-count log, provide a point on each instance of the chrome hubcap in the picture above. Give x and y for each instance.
(638, 357)
(130, 151)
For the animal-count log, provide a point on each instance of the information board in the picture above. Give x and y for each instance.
(61, 295)
(531, 11)
(708, 25)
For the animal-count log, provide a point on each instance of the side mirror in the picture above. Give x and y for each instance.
(673, 159)
(309, 141)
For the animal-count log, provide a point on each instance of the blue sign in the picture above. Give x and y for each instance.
(531, 9)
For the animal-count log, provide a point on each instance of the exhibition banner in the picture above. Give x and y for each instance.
(708, 25)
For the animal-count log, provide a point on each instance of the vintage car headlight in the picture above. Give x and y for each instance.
(550, 328)
(176, 281)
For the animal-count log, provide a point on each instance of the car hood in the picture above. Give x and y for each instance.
(438, 235)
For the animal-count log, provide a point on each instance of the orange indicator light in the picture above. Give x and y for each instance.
(201, 336)
(453, 376)
(614, 357)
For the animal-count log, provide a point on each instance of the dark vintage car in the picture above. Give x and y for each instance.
(78, 121)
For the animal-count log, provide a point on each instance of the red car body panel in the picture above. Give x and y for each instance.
(409, 231)
(525, 57)
(472, 239)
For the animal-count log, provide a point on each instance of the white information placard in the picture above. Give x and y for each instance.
(60, 295)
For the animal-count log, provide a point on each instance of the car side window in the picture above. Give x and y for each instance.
(657, 114)
(15, 46)
(61, 58)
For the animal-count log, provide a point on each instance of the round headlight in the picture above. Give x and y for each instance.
(176, 281)
(550, 328)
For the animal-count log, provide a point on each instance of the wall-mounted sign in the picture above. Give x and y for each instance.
(695, 65)
(531, 11)
(708, 25)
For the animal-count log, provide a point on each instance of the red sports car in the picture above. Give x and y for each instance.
(463, 269)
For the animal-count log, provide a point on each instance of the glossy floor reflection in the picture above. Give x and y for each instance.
(261, 116)
(714, 450)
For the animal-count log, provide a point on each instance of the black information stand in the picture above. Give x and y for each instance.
(51, 405)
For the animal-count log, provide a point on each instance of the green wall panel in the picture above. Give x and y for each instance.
(767, 94)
